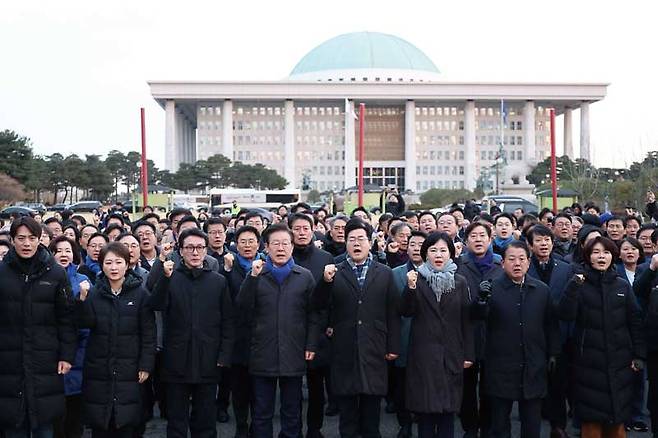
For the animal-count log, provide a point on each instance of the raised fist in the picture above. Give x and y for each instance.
(484, 291)
(579, 278)
(393, 247)
(329, 273)
(318, 243)
(168, 268)
(84, 290)
(257, 267)
(228, 262)
(412, 278)
(167, 248)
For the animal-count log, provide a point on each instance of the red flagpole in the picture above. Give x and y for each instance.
(553, 163)
(362, 116)
(145, 193)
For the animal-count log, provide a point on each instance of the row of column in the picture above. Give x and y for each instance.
(180, 137)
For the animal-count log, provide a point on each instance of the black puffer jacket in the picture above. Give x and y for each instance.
(121, 343)
(36, 332)
(608, 337)
(198, 315)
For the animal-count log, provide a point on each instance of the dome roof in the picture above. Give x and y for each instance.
(353, 55)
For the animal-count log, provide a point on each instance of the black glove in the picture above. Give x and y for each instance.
(484, 292)
(637, 364)
(552, 364)
(578, 278)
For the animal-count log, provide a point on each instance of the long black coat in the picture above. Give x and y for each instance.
(441, 340)
(469, 270)
(315, 259)
(198, 316)
(608, 337)
(366, 327)
(522, 333)
(645, 281)
(36, 332)
(242, 333)
(121, 343)
(283, 324)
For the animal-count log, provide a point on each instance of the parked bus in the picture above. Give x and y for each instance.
(251, 198)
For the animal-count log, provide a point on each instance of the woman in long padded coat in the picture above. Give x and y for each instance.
(610, 344)
(441, 342)
(121, 348)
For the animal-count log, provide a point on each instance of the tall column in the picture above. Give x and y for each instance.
(530, 157)
(183, 139)
(350, 153)
(584, 131)
(171, 152)
(568, 135)
(289, 144)
(470, 178)
(227, 129)
(410, 145)
(193, 153)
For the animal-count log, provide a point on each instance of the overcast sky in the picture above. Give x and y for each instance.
(73, 73)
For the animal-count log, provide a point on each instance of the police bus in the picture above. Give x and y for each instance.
(251, 198)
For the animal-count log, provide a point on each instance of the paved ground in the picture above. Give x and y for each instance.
(389, 428)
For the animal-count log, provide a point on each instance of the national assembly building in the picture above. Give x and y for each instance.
(420, 132)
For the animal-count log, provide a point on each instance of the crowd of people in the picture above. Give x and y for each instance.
(458, 314)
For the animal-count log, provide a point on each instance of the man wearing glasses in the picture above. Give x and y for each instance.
(198, 315)
(362, 300)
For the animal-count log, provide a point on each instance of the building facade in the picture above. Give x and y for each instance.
(420, 132)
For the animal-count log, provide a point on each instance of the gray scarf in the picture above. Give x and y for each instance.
(439, 280)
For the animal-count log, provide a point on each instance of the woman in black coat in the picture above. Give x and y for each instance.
(121, 348)
(441, 342)
(610, 345)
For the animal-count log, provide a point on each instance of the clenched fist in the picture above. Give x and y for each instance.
(412, 278)
(329, 273)
(393, 247)
(168, 268)
(579, 278)
(84, 290)
(167, 248)
(257, 267)
(228, 262)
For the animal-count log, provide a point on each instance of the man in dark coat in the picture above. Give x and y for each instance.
(37, 334)
(477, 264)
(362, 300)
(235, 268)
(563, 243)
(522, 340)
(335, 240)
(276, 295)
(554, 273)
(198, 315)
(307, 255)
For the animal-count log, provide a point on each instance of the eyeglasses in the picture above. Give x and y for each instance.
(361, 240)
(191, 248)
(131, 245)
(96, 246)
(282, 243)
(145, 233)
(247, 241)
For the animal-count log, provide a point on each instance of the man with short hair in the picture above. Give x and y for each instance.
(55, 226)
(335, 242)
(37, 335)
(147, 235)
(426, 222)
(632, 225)
(131, 242)
(254, 219)
(215, 228)
(414, 260)
(198, 315)
(412, 219)
(522, 342)
(554, 273)
(563, 232)
(644, 236)
(362, 301)
(504, 232)
(447, 223)
(307, 255)
(477, 263)
(614, 228)
(396, 250)
(276, 297)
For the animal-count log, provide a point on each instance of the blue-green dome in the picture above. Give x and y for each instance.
(364, 50)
